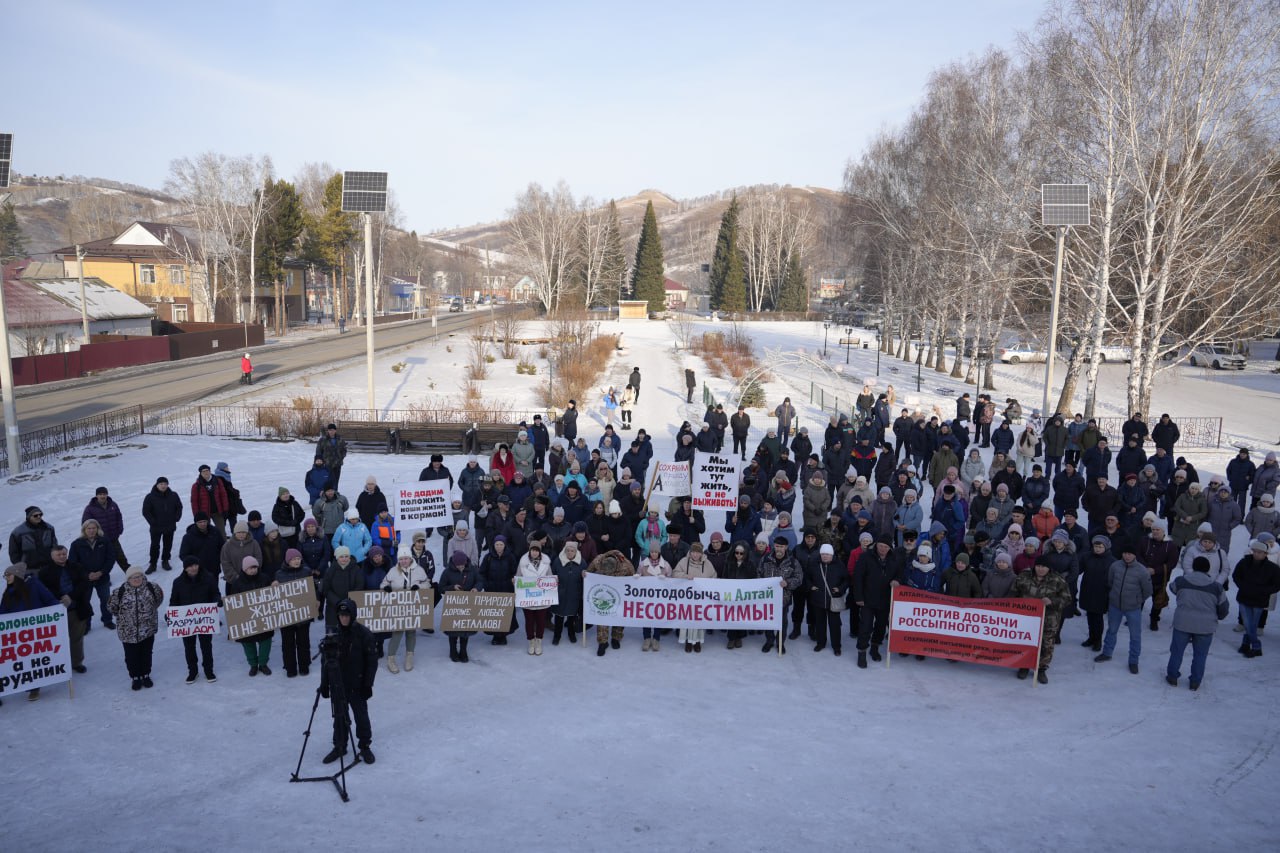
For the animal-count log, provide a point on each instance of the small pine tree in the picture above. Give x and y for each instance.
(794, 297)
(649, 273)
(614, 270)
(12, 242)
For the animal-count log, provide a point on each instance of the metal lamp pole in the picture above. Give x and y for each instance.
(879, 333)
(368, 308)
(84, 308)
(826, 327)
(848, 340)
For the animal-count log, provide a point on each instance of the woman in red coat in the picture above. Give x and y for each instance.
(246, 370)
(503, 463)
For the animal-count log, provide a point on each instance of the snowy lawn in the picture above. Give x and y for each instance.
(726, 750)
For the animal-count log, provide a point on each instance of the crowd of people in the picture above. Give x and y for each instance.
(839, 519)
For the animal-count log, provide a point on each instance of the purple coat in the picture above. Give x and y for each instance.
(108, 518)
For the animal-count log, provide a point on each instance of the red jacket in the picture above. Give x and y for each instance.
(507, 469)
(213, 501)
(246, 366)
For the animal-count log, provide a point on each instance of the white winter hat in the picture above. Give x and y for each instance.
(404, 551)
(827, 549)
(352, 513)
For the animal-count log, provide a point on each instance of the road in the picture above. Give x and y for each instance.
(172, 383)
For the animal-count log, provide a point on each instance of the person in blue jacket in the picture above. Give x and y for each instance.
(354, 535)
(317, 479)
(24, 593)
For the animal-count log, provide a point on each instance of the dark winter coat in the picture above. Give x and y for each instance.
(1094, 572)
(316, 554)
(1130, 460)
(288, 514)
(1035, 491)
(1256, 581)
(205, 546)
(315, 481)
(330, 512)
(339, 583)
(136, 611)
(332, 450)
(961, 584)
(1096, 461)
(369, 504)
(788, 569)
(77, 579)
(1166, 435)
(1002, 439)
(1100, 503)
(1068, 489)
(108, 517)
(1240, 474)
(570, 575)
(96, 555)
(162, 510)
(202, 589)
(357, 661)
(1052, 586)
(873, 576)
(497, 573)
(25, 594)
(31, 543)
(1055, 439)
(825, 581)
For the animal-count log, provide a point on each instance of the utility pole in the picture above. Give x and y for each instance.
(84, 307)
(13, 444)
(368, 307)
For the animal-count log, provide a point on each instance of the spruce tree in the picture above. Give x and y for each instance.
(647, 278)
(728, 268)
(12, 243)
(614, 270)
(794, 296)
(281, 228)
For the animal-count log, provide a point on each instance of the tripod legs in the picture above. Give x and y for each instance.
(342, 719)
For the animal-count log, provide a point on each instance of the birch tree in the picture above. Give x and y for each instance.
(541, 230)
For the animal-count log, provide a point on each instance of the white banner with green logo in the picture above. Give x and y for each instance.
(670, 603)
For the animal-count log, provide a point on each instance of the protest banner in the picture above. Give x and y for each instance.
(260, 610)
(190, 620)
(35, 649)
(715, 480)
(537, 592)
(423, 504)
(672, 479)
(388, 612)
(698, 603)
(476, 611)
(991, 631)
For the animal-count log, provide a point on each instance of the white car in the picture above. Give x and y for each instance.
(1115, 353)
(1217, 356)
(1022, 352)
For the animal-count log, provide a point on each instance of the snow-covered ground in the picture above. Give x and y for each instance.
(727, 750)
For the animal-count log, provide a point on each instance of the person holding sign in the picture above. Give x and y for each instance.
(461, 576)
(257, 648)
(693, 565)
(24, 593)
(136, 606)
(69, 581)
(406, 574)
(533, 565)
(295, 640)
(196, 587)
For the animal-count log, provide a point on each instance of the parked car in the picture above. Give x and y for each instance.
(1217, 356)
(1017, 353)
(455, 307)
(1115, 353)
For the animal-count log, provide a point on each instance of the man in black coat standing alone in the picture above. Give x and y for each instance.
(356, 663)
(634, 379)
(162, 509)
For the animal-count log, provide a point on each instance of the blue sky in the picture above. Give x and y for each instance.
(464, 104)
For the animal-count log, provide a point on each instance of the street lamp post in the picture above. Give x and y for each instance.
(879, 332)
(826, 326)
(848, 341)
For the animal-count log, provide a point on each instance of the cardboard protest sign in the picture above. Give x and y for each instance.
(698, 603)
(715, 480)
(476, 611)
(423, 504)
(388, 612)
(991, 631)
(35, 649)
(261, 610)
(537, 592)
(671, 478)
(190, 620)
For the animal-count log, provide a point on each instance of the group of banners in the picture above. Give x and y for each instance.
(35, 646)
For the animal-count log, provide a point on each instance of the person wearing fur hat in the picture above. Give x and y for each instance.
(404, 575)
(342, 577)
(1047, 585)
(135, 605)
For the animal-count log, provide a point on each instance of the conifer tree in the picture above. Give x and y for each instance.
(614, 270)
(12, 243)
(728, 280)
(647, 278)
(794, 295)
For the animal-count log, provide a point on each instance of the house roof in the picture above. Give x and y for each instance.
(670, 284)
(146, 240)
(43, 299)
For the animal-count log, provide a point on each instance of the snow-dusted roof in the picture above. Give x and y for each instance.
(102, 300)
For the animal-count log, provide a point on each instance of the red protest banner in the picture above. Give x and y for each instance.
(991, 631)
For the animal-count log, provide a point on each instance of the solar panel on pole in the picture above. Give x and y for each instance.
(364, 192)
(6, 155)
(1064, 204)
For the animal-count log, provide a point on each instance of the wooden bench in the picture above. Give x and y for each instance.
(429, 438)
(369, 433)
(491, 435)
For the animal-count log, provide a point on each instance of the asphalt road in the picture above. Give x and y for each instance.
(173, 383)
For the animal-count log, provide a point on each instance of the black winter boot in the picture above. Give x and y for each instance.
(875, 653)
(334, 754)
(573, 631)
(557, 627)
(462, 650)
(453, 649)
(862, 660)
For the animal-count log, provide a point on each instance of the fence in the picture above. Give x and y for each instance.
(42, 446)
